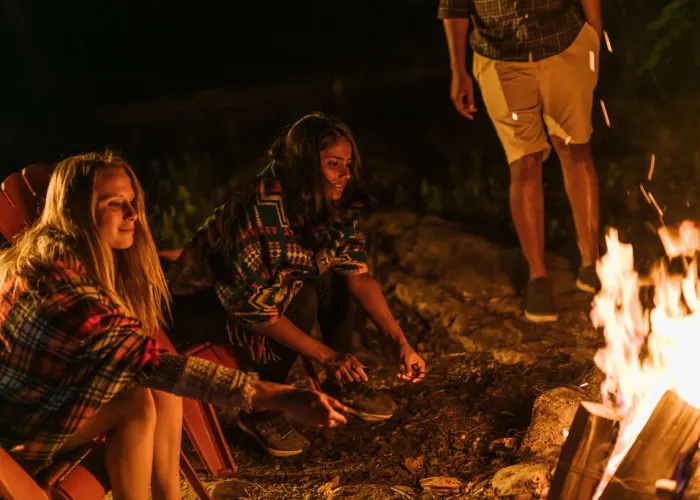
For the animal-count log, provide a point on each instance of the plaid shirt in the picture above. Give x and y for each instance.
(67, 348)
(251, 256)
(512, 30)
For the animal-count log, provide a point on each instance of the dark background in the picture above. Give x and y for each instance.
(192, 93)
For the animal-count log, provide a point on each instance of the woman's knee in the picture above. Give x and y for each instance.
(139, 404)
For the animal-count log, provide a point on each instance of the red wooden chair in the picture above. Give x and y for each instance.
(81, 475)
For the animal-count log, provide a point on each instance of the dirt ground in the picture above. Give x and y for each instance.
(464, 421)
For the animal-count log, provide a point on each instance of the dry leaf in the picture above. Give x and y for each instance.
(333, 483)
(440, 483)
(413, 464)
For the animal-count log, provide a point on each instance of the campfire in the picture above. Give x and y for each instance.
(638, 443)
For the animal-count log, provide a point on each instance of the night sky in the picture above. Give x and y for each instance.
(60, 52)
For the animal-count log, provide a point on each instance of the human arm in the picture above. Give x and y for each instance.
(344, 367)
(365, 288)
(203, 380)
(593, 14)
(462, 84)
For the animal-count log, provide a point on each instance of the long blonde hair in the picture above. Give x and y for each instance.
(67, 228)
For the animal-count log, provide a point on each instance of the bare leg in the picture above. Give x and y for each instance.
(527, 210)
(165, 484)
(129, 422)
(581, 183)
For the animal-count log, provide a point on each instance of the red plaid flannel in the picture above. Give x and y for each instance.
(66, 348)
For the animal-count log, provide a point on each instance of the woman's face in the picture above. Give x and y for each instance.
(115, 212)
(336, 161)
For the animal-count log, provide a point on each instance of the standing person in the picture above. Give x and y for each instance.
(80, 291)
(537, 66)
(278, 257)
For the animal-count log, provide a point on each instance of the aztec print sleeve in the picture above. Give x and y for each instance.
(350, 257)
(251, 241)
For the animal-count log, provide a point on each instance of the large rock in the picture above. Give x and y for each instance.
(523, 481)
(464, 264)
(552, 413)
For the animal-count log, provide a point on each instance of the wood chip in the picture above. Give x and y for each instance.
(413, 464)
(333, 483)
(438, 484)
(404, 491)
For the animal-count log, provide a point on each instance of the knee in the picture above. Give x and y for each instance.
(140, 405)
(168, 406)
(527, 169)
(571, 153)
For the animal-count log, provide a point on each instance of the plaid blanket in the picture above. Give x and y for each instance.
(66, 348)
(248, 252)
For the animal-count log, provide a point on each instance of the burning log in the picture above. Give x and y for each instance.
(585, 453)
(661, 451)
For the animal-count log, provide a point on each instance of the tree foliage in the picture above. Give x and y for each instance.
(677, 37)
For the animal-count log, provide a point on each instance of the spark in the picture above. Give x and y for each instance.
(644, 192)
(607, 41)
(592, 60)
(515, 116)
(605, 113)
(651, 167)
(584, 384)
(656, 206)
(567, 140)
(565, 433)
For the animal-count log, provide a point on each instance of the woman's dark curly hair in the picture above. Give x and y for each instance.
(295, 159)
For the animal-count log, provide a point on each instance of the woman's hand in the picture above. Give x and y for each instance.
(314, 409)
(344, 367)
(411, 365)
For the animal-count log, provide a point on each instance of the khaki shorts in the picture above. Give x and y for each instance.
(522, 98)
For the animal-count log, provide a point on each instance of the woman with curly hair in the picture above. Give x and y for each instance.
(81, 293)
(282, 255)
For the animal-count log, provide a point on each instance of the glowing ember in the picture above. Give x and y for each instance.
(657, 207)
(515, 116)
(644, 192)
(651, 167)
(605, 113)
(591, 55)
(647, 352)
(607, 41)
(567, 140)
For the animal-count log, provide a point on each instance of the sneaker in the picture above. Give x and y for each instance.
(274, 433)
(539, 301)
(587, 280)
(361, 400)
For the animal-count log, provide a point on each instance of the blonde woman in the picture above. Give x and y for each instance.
(80, 293)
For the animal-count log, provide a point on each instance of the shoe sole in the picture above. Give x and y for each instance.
(271, 451)
(585, 287)
(541, 318)
(368, 417)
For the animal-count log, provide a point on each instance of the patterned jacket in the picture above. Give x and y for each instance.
(509, 30)
(67, 348)
(251, 256)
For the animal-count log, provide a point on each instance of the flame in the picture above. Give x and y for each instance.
(647, 352)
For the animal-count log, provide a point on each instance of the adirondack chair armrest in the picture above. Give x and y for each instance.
(15, 482)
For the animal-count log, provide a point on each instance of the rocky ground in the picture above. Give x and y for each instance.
(463, 432)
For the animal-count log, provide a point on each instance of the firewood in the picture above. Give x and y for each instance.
(667, 441)
(585, 453)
